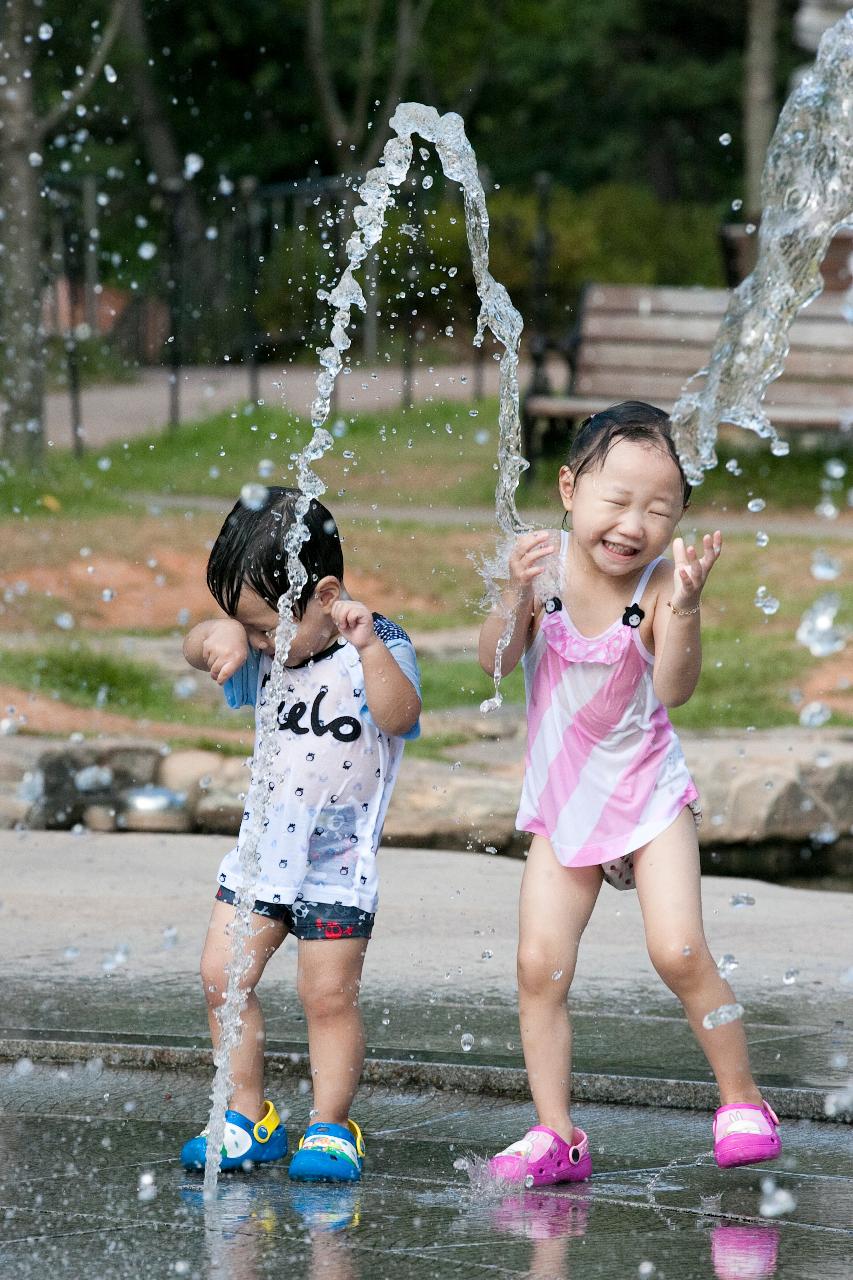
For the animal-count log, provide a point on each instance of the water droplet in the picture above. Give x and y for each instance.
(211, 233)
(461, 1164)
(765, 602)
(266, 467)
(741, 900)
(814, 715)
(724, 1014)
(110, 74)
(726, 965)
(725, 139)
(35, 159)
(529, 1181)
(65, 621)
(755, 505)
(824, 567)
(762, 538)
(147, 250)
(193, 164)
(775, 1200)
(45, 31)
(487, 955)
(147, 1187)
(826, 509)
(467, 1042)
(184, 687)
(780, 448)
(737, 205)
(646, 1269)
(825, 834)
(556, 975)
(733, 467)
(789, 977)
(817, 630)
(253, 496)
(427, 182)
(835, 468)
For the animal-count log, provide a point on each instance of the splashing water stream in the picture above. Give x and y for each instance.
(807, 196)
(447, 133)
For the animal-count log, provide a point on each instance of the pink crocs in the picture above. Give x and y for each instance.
(542, 1157)
(745, 1134)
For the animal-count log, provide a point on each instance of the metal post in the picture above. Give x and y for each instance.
(90, 250)
(175, 296)
(252, 214)
(72, 363)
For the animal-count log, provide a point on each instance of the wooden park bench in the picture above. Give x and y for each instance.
(637, 342)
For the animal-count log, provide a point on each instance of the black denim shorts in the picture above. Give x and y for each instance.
(312, 921)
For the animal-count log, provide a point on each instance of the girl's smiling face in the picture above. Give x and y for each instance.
(624, 513)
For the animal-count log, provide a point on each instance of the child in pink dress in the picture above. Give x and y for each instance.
(606, 649)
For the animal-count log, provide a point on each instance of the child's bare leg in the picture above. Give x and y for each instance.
(668, 885)
(556, 903)
(328, 982)
(247, 1058)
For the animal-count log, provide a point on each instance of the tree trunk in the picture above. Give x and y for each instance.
(759, 97)
(21, 332)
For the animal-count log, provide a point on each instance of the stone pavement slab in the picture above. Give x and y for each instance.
(102, 936)
(90, 1186)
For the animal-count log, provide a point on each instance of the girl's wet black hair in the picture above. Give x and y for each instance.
(250, 549)
(632, 420)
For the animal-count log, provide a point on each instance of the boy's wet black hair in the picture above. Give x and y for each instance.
(632, 420)
(250, 550)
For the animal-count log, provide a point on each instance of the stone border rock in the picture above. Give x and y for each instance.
(784, 794)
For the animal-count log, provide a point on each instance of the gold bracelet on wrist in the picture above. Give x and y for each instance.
(682, 613)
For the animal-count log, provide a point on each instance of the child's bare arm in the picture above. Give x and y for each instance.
(219, 646)
(391, 697)
(677, 632)
(525, 565)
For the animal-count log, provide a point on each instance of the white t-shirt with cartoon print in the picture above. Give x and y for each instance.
(331, 781)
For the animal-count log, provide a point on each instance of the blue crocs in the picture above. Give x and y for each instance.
(329, 1153)
(244, 1143)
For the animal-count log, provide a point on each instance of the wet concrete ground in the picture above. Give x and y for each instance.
(91, 1187)
(99, 966)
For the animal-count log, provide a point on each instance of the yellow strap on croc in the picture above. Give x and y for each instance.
(359, 1139)
(269, 1121)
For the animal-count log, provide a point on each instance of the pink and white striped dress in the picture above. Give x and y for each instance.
(604, 771)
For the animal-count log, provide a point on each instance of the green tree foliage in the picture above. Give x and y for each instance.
(614, 233)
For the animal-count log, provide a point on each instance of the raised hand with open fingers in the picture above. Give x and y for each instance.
(691, 569)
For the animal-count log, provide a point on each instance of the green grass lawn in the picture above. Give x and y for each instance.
(435, 454)
(746, 680)
(439, 453)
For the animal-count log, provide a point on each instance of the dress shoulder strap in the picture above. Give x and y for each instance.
(644, 581)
